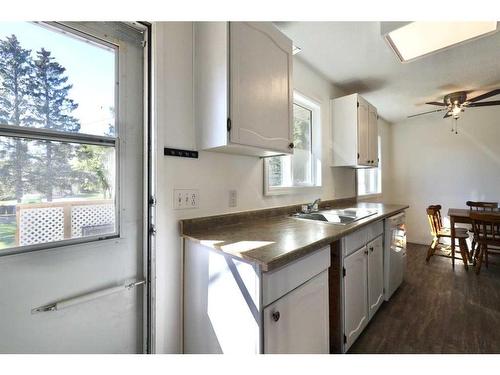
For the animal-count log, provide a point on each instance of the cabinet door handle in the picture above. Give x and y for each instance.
(291, 145)
(275, 315)
(366, 251)
(371, 249)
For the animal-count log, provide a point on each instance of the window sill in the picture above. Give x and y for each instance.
(292, 190)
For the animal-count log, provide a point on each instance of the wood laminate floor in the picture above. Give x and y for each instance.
(437, 310)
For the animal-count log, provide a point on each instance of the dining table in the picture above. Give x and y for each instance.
(457, 215)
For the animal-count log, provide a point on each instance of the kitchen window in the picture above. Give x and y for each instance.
(369, 180)
(58, 136)
(302, 170)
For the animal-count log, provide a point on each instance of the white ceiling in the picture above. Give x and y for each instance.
(355, 57)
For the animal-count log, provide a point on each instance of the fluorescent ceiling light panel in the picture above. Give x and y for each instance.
(420, 38)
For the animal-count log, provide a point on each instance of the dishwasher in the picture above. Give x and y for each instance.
(394, 253)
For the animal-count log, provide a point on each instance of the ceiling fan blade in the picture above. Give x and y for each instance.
(484, 104)
(484, 96)
(424, 113)
(436, 103)
(448, 114)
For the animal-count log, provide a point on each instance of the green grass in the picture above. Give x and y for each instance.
(7, 235)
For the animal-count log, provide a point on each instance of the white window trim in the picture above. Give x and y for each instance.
(314, 106)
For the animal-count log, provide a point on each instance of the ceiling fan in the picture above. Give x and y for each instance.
(456, 102)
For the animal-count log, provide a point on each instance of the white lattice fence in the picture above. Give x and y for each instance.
(56, 221)
(91, 216)
(38, 225)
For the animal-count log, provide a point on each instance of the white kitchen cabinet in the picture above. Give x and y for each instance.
(243, 88)
(298, 321)
(355, 295)
(354, 132)
(230, 304)
(375, 275)
(363, 281)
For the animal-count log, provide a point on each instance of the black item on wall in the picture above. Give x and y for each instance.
(180, 153)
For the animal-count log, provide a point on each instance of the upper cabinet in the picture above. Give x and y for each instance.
(355, 132)
(243, 88)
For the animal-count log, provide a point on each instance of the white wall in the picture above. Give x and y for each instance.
(430, 165)
(213, 174)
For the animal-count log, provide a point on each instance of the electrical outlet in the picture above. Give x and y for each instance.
(233, 198)
(185, 198)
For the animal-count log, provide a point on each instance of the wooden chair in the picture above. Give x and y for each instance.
(486, 227)
(439, 232)
(480, 207)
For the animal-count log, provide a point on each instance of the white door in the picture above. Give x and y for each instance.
(80, 211)
(355, 295)
(363, 132)
(372, 136)
(261, 88)
(375, 275)
(298, 322)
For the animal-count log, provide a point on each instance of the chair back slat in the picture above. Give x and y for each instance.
(486, 227)
(482, 206)
(435, 220)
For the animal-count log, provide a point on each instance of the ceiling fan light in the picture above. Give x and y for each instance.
(420, 38)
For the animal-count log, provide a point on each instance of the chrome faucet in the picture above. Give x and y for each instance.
(311, 207)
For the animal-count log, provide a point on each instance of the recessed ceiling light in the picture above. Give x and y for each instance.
(295, 49)
(420, 38)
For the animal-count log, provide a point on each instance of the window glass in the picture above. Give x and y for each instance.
(56, 185)
(369, 180)
(55, 81)
(297, 169)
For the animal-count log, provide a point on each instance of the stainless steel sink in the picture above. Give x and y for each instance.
(340, 217)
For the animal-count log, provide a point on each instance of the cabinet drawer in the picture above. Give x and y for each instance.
(374, 230)
(361, 237)
(276, 284)
(354, 241)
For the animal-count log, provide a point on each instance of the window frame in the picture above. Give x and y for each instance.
(378, 194)
(31, 133)
(314, 106)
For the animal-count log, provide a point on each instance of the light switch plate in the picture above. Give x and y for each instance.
(185, 199)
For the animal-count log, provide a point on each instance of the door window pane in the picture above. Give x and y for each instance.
(57, 184)
(53, 191)
(54, 80)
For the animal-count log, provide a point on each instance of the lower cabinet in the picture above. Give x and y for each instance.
(298, 321)
(232, 306)
(363, 288)
(355, 295)
(375, 275)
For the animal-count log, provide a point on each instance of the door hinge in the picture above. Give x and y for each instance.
(228, 124)
(152, 201)
(152, 230)
(343, 271)
(345, 339)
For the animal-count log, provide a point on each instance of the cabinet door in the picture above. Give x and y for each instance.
(363, 132)
(372, 136)
(355, 295)
(299, 322)
(261, 91)
(375, 275)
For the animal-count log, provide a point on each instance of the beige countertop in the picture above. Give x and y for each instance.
(275, 240)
